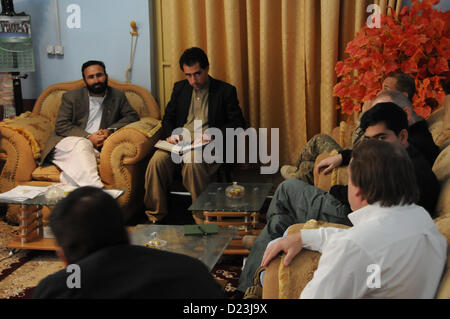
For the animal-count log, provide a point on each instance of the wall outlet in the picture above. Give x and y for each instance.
(50, 49)
(59, 50)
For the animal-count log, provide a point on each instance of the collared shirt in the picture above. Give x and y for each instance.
(197, 119)
(390, 252)
(95, 113)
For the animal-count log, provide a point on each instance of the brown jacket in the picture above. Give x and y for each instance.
(74, 112)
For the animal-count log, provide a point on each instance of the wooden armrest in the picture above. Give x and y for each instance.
(337, 177)
(19, 160)
(287, 282)
(127, 146)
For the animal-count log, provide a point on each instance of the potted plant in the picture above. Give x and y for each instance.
(416, 42)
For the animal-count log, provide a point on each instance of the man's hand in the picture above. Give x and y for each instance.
(329, 164)
(105, 132)
(291, 245)
(202, 139)
(174, 139)
(98, 138)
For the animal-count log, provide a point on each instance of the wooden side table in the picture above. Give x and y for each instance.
(243, 212)
(32, 231)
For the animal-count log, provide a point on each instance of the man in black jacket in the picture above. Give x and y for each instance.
(197, 104)
(295, 201)
(89, 229)
(418, 132)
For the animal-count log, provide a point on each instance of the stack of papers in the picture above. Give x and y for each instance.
(180, 148)
(22, 193)
(115, 193)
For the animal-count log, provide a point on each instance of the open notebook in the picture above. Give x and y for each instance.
(178, 148)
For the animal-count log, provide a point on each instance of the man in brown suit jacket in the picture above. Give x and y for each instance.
(86, 118)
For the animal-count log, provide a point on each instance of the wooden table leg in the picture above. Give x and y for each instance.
(248, 222)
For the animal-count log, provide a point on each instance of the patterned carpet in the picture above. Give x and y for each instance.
(21, 272)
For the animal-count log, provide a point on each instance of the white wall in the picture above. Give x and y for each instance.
(104, 34)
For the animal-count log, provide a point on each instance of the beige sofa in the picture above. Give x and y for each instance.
(287, 282)
(123, 158)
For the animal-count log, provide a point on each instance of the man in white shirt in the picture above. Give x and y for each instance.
(86, 118)
(393, 250)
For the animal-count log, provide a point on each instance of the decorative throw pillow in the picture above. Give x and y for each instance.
(35, 128)
(147, 126)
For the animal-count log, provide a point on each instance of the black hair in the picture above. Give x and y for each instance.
(405, 83)
(388, 113)
(193, 55)
(87, 220)
(92, 62)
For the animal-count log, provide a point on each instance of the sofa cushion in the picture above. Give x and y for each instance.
(49, 173)
(50, 105)
(138, 103)
(147, 126)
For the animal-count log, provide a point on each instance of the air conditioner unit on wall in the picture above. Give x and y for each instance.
(16, 48)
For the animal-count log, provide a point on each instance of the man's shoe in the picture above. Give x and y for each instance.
(255, 292)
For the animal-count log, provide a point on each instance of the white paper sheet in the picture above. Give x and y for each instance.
(22, 193)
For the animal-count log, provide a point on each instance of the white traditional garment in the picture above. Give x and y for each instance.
(76, 156)
(390, 252)
(95, 113)
(78, 159)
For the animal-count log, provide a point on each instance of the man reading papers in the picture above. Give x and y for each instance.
(198, 99)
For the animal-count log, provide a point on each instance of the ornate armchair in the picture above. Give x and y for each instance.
(123, 158)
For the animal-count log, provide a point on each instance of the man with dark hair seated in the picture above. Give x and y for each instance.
(323, 143)
(86, 118)
(418, 132)
(197, 104)
(295, 201)
(393, 250)
(89, 229)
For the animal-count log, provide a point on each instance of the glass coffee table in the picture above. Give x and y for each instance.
(208, 248)
(242, 212)
(34, 235)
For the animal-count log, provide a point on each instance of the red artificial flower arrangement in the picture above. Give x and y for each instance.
(416, 42)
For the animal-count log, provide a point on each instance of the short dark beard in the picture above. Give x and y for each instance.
(98, 88)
